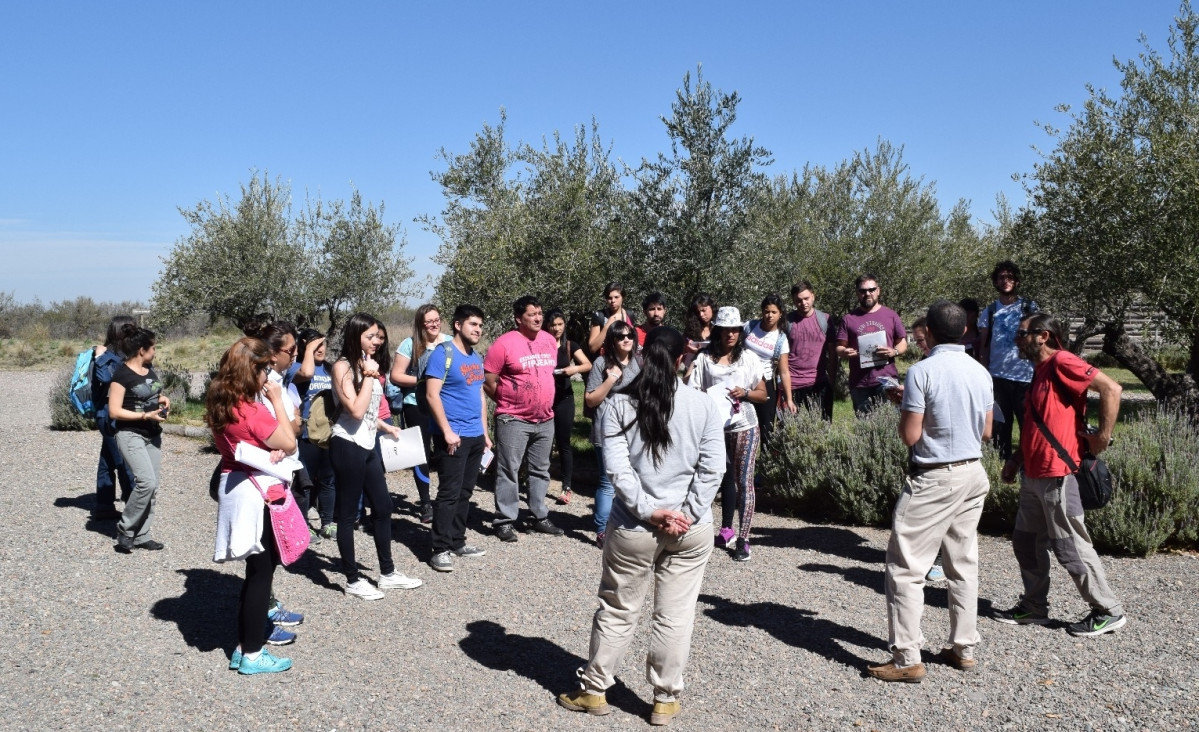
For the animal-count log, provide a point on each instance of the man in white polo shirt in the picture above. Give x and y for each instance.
(945, 416)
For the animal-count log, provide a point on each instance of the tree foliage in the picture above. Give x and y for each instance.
(561, 220)
(250, 257)
(1114, 208)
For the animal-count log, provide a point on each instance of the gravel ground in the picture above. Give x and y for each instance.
(94, 639)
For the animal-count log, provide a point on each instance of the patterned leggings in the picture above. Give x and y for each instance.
(737, 488)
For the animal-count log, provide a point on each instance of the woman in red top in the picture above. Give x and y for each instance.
(243, 519)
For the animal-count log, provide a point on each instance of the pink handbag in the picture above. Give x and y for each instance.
(288, 524)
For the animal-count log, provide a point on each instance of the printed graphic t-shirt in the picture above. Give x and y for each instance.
(526, 375)
(1005, 362)
(857, 323)
(461, 390)
(763, 345)
(807, 351)
(141, 395)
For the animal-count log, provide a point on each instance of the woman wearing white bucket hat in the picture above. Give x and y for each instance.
(733, 376)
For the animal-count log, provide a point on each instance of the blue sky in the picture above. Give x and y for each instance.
(112, 115)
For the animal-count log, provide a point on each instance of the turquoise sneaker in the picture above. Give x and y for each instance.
(264, 664)
(235, 660)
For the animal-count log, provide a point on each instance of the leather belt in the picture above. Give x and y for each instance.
(925, 467)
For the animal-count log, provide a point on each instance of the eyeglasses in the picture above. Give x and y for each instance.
(264, 368)
(1005, 276)
(290, 351)
(1022, 333)
(866, 290)
(431, 323)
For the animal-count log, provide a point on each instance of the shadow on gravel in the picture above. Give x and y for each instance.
(206, 612)
(87, 502)
(795, 627)
(828, 539)
(541, 660)
(875, 579)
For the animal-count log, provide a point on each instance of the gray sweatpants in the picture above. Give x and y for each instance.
(143, 458)
(1050, 517)
(514, 439)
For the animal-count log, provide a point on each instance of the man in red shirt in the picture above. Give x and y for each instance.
(519, 377)
(1050, 515)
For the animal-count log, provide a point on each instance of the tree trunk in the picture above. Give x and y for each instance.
(1171, 390)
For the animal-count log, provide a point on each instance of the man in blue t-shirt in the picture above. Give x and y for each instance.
(997, 325)
(458, 407)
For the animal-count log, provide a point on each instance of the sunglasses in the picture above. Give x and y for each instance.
(264, 368)
(866, 290)
(624, 336)
(1022, 333)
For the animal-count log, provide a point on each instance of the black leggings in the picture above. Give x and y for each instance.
(413, 418)
(254, 604)
(358, 470)
(564, 423)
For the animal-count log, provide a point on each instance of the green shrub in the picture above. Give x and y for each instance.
(1156, 501)
(26, 355)
(62, 413)
(850, 470)
(176, 382)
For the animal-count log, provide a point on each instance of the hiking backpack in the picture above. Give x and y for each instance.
(80, 392)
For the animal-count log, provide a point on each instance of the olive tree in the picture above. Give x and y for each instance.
(248, 257)
(1113, 217)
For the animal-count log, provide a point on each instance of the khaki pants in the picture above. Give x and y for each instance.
(939, 510)
(676, 567)
(1050, 518)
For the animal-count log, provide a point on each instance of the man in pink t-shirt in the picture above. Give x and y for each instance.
(519, 377)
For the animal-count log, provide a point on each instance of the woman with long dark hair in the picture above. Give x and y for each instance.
(664, 452)
(697, 324)
(111, 468)
(137, 404)
(613, 312)
(571, 360)
(410, 359)
(726, 370)
(235, 415)
(358, 467)
(618, 366)
(766, 338)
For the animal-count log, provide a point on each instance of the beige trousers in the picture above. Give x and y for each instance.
(676, 567)
(939, 510)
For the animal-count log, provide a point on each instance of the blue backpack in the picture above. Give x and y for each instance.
(80, 392)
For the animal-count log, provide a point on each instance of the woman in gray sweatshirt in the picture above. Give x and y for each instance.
(664, 453)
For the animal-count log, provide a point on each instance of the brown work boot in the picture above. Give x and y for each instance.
(582, 701)
(950, 657)
(913, 674)
(664, 712)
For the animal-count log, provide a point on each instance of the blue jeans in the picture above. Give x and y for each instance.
(604, 493)
(866, 399)
(111, 469)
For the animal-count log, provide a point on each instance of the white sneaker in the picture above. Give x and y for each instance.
(364, 589)
(397, 580)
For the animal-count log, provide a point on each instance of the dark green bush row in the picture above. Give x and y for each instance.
(852, 471)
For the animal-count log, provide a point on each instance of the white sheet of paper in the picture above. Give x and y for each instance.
(719, 394)
(868, 343)
(405, 452)
(260, 460)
